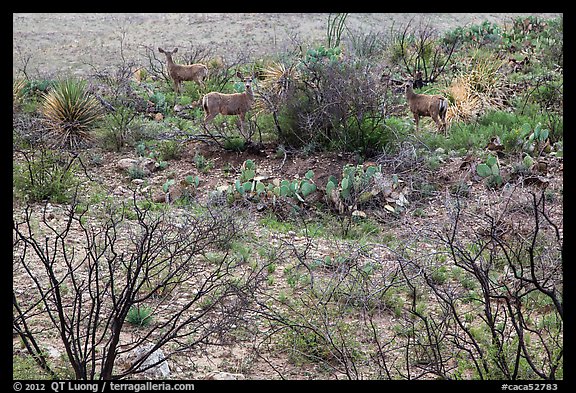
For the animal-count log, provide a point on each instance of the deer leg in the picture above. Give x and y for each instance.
(416, 120)
(437, 121)
(241, 120)
(209, 117)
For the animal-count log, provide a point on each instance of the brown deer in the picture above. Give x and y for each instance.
(427, 105)
(192, 72)
(229, 104)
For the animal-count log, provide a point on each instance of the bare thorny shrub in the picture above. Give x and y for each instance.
(417, 49)
(510, 325)
(82, 275)
(482, 299)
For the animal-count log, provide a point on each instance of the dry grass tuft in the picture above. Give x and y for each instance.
(478, 88)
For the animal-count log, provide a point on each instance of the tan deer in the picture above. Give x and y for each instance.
(178, 72)
(434, 106)
(215, 103)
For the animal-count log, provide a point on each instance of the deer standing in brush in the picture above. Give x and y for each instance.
(229, 104)
(427, 105)
(192, 72)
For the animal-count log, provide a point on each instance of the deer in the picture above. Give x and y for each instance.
(178, 72)
(434, 106)
(215, 103)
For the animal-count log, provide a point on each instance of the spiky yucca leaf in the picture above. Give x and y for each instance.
(70, 112)
(18, 86)
(277, 78)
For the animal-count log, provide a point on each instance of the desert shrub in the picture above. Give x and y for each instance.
(170, 150)
(418, 48)
(18, 86)
(70, 112)
(164, 250)
(46, 175)
(509, 340)
(336, 104)
(540, 38)
(116, 128)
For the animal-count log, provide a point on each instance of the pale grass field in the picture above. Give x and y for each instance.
(71, 43)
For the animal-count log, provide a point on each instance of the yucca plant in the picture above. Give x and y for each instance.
(18, 86)
(70, 112)
(277, 82)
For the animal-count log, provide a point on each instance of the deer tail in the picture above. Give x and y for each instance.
(443, 108)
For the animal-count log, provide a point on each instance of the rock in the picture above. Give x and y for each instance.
(126, 163)
(147, 165)
(162, 369)
(53, 352)
(224, 376)
(120, 191)
(160, 197)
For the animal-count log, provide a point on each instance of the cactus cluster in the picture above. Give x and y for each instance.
(490, 170)
(296, 189)
(182, 190)
(319, 54)
(355, 179)
(362, 184)
(359, 186)
(250, 186)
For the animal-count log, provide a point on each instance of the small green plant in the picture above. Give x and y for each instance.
(192, 180)
(170, 150)
(159, 100)
(439, 275)
(537, 138)
(24, 367)
(202, 164)
(140, 315)
(490, 170)
(136, 172)
(460, 189)
(46, 175)
(117, 128)
(234, 144)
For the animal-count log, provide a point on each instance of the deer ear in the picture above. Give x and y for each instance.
(175, 50)
(160, 50)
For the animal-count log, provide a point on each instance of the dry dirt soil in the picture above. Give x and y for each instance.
(54, 43)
